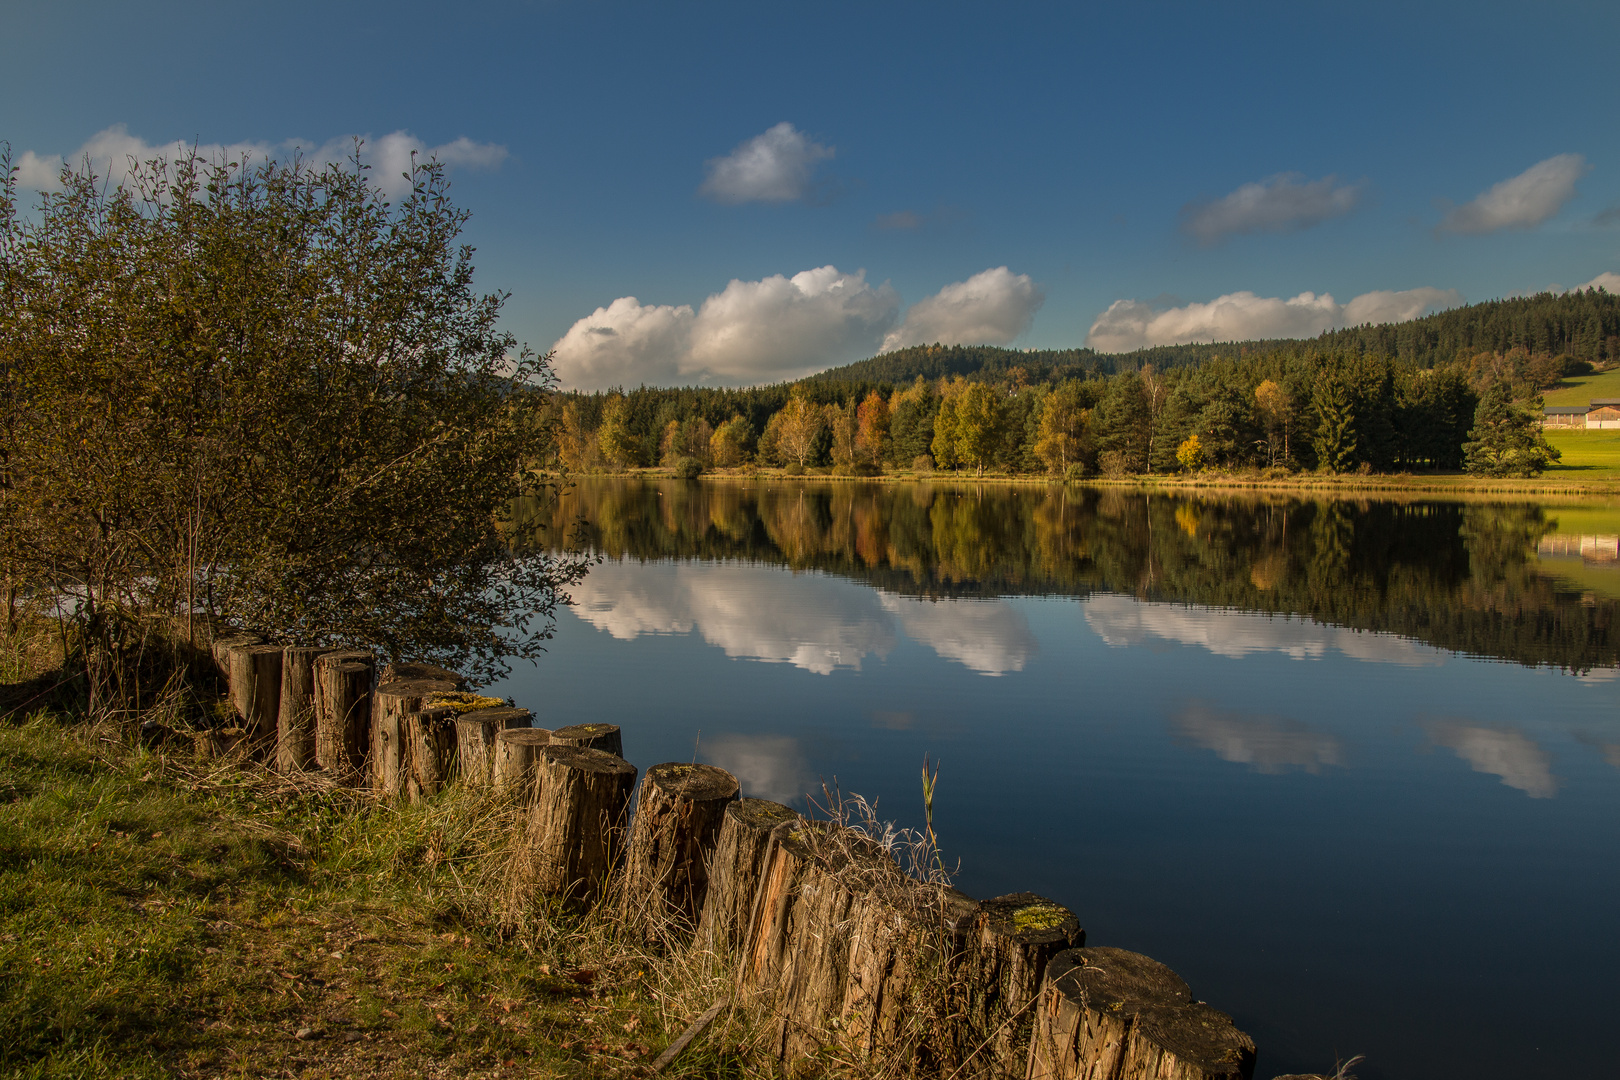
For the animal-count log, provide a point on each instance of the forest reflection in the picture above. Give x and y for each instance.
(1459, 576)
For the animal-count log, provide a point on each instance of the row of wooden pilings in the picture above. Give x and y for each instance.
(849, 956)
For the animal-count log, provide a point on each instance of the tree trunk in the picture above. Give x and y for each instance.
(666, 869)
(735, 869)
(1110, 1013)
(400, 671)
(517, 753)
(603, 737)
(475, 741)
(790, 854)
(343, 713)
(1015, 937)
(430, 738)
(256, 689)
(391, 703)
(576, 828)
(295, 714)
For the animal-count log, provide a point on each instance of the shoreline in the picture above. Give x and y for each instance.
(1449, 484)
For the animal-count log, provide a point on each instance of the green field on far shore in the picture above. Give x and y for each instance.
(1588, 455)
(1581, 389)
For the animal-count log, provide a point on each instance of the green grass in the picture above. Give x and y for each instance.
(1581, 389)
(160, 921)
(1587, 455)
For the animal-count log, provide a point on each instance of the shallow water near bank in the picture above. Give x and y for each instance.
(1351, 768)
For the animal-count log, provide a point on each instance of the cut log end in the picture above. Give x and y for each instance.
(604, 737)
(692, 783)
(1031, 919)
(400, 671)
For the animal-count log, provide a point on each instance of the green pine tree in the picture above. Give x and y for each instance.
(1506, 439)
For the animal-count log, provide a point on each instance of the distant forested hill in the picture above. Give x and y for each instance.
(1580, 325)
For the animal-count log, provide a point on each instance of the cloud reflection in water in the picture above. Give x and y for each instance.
(1267, 744)
(766, 766)
(815, 622)
(1122, 621)
(1500, 751)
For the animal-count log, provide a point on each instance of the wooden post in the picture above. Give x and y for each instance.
(788, 856)
(735, 869)
(295, 713)
(430, 739)
(343, 712)
(666, 872)
(256, 689)
(391, 703)
(517, 752)
(1016, 936)
(1111, 1013)
(399, 671)
(475, 741)
(603, 737)
(220, 647)
(576, 827)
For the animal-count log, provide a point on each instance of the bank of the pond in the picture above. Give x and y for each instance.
(1313, 484)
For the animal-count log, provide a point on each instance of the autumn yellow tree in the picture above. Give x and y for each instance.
(798, 424)
(841, 420)
(1060, 437)
(727, 446)
(1277, 412)
(613, 437)
(872, 429)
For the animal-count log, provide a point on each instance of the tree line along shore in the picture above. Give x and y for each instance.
(1277, 414)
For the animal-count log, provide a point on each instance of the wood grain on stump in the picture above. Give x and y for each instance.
(391, 703)
(343, 680)
(256, 689)
(666, 869)
(295, 712)
(430, 740)
(576, 826)
(604, 737)
(1107, 1012)
(476, 732)
(735, 869)
(401, 670)
(1014, 939)
(790, 853)
(517, 753)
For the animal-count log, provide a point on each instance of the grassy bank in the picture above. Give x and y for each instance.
(160, 919)
(1585, 479)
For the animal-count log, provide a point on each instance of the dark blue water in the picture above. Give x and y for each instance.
(1353, 840)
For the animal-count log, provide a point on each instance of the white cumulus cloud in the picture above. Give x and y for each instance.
(1283, 203)
(992, 307)
(1608, 281)
(750, 332)
(774, 166)
(1520, 202)
(1242, 316)
(112, 151)
(1502, 752)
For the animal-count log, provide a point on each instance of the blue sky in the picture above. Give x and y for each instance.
(782, 188)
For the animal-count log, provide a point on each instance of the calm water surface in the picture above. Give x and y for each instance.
(1351, 768)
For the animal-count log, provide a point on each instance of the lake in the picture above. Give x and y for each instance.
(1352, 768)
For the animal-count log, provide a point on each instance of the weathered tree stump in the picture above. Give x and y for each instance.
(1111, 1013)
(295, 713)
(391, 703)
(256, 689)
(475, 741)
(1015, 937)
(343, 681)
(401, 670)
(666, 867)
(220, 647)
(430, 739)
(789, 855)
(576, 827)
(603, 737)
(735, 870)
(517, 754)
